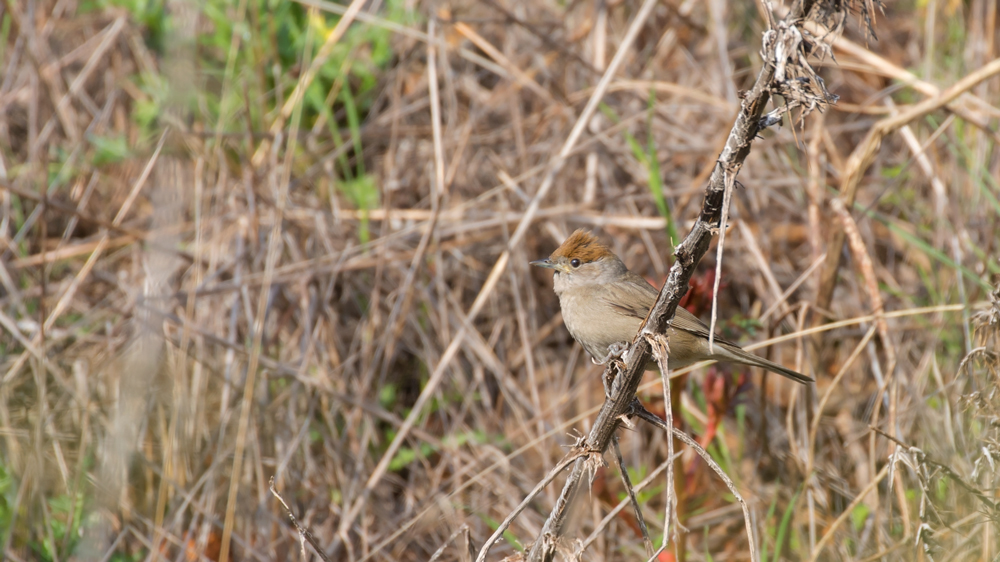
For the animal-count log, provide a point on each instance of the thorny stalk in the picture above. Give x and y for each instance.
(785, 74)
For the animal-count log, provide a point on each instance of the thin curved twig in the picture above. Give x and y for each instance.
(505, 524)
(642, 413)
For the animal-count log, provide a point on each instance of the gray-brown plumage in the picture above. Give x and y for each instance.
(603, 303)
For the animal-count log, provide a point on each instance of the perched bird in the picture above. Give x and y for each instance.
(603, 304)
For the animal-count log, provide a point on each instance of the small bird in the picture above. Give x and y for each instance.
(603, 304)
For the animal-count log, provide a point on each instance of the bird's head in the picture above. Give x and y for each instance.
(582, 259)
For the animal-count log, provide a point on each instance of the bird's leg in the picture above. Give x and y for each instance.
(615, 352)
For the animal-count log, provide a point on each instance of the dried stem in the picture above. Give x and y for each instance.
(661, 351)
(864, 155)
(644, 414)
(579, 454)
(777, 52)
(620, 464)
(830, 530)
(305, 535)
(600, 527)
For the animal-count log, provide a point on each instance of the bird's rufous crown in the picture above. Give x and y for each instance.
(584, 246)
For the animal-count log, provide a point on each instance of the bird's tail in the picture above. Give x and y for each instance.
(740, 356)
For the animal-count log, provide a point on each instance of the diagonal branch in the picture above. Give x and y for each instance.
(778, 55)
(579, 453)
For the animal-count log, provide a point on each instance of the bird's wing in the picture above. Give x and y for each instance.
(633, 297)
(636, 289)
(684, 320)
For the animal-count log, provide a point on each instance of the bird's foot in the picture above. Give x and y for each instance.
(615, 351)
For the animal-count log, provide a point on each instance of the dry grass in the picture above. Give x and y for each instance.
(175, 218)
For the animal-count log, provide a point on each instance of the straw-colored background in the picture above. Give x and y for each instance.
(192, 192)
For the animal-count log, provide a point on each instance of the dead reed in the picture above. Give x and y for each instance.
(254, 242)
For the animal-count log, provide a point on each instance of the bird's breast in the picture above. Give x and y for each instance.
(596, 324)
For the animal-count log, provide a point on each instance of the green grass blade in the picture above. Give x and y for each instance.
(786, 520)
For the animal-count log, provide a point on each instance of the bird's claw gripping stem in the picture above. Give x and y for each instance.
(615, 351)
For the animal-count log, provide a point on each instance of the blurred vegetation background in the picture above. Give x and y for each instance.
(233, 251)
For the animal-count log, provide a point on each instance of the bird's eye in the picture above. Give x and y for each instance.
(575, 262)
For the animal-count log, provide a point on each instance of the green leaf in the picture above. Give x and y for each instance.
(108, 150)
(407, 455)
(859, 515)
(364, 194)
(653, 167)
(387, 395)
(783, 527)
(924, 246)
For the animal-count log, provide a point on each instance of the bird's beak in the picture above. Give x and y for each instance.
(545, 263)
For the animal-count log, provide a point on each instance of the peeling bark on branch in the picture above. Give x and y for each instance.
(784, 49)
